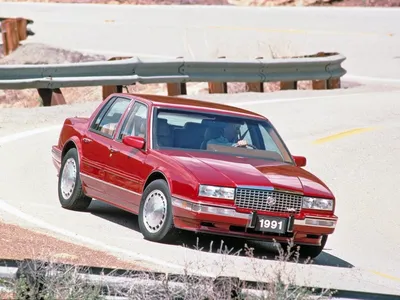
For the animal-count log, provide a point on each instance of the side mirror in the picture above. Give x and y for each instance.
(134, 141)
(300, 161)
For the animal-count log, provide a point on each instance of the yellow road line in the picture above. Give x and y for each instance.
(385, 275)
(341, 135)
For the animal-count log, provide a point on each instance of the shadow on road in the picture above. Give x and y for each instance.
(114, 214)
(208, 242)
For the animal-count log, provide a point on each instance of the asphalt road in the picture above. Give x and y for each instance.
(361, 168)
(370, 38)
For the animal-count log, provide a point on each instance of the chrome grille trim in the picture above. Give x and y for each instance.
(257, 199)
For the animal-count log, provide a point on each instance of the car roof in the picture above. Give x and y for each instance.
(174, 101)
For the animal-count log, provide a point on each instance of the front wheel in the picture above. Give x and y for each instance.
(155, 213)
(70, 192)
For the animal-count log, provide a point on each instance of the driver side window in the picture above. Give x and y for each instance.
(245, 133)
(268, 141)
(109, 117)
(135, 123)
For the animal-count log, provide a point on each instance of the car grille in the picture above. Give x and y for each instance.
(255, 199)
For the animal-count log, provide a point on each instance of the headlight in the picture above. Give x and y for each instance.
(217, 192)
(317, 203)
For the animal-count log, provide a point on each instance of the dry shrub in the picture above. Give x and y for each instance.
(72, 282)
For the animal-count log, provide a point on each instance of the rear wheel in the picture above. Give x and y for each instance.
(70, 192)
(155, 213)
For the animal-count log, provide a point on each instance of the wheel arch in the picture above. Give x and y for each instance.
(72, 143)
(154, 175)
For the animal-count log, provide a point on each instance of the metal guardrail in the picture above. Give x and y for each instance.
(323, 69)
(114, 283)
(130, 71)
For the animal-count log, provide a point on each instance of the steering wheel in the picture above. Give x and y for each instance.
(248, 145)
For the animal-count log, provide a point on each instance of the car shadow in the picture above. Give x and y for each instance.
(210, 242)
(113, 214)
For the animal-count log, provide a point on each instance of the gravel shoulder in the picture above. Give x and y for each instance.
(18, 243)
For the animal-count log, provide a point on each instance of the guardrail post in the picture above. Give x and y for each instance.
(288, 85)
(178, 88)
(218, 87)
(257, 87)
(329, 84)
(175, 89)
(22, 28)
(319, 84)
(334, 83)
(51, 97)
(9, 32)
(110, 89)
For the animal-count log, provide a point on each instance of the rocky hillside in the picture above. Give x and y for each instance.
(382, 3)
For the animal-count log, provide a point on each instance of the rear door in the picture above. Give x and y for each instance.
(127, 169)
(96, 144)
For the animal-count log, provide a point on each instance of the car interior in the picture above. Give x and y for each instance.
(190, 136)
(109, 124)
(195, 135)
(187, 135)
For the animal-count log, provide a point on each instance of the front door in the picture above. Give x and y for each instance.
(95, 147)
(127, 170)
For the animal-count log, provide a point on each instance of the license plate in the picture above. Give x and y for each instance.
(271, 224)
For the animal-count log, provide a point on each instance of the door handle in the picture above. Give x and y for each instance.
(86, 140)
(112, 150)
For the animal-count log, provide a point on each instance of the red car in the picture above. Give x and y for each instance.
(193, 165)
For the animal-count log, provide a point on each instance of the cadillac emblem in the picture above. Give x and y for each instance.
(270, 200)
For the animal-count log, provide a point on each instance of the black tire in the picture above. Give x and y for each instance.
(308, 251)
(77, 200)
(166, 233)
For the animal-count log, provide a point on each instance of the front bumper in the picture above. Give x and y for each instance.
(200, 217)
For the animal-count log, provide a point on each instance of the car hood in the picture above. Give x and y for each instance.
(231, 170)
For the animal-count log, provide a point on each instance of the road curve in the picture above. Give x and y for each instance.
(368, 37)
(361, 169)
(360, 166)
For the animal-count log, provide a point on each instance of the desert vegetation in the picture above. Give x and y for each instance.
(49, 280)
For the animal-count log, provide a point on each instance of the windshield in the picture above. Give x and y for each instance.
(217, 133)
